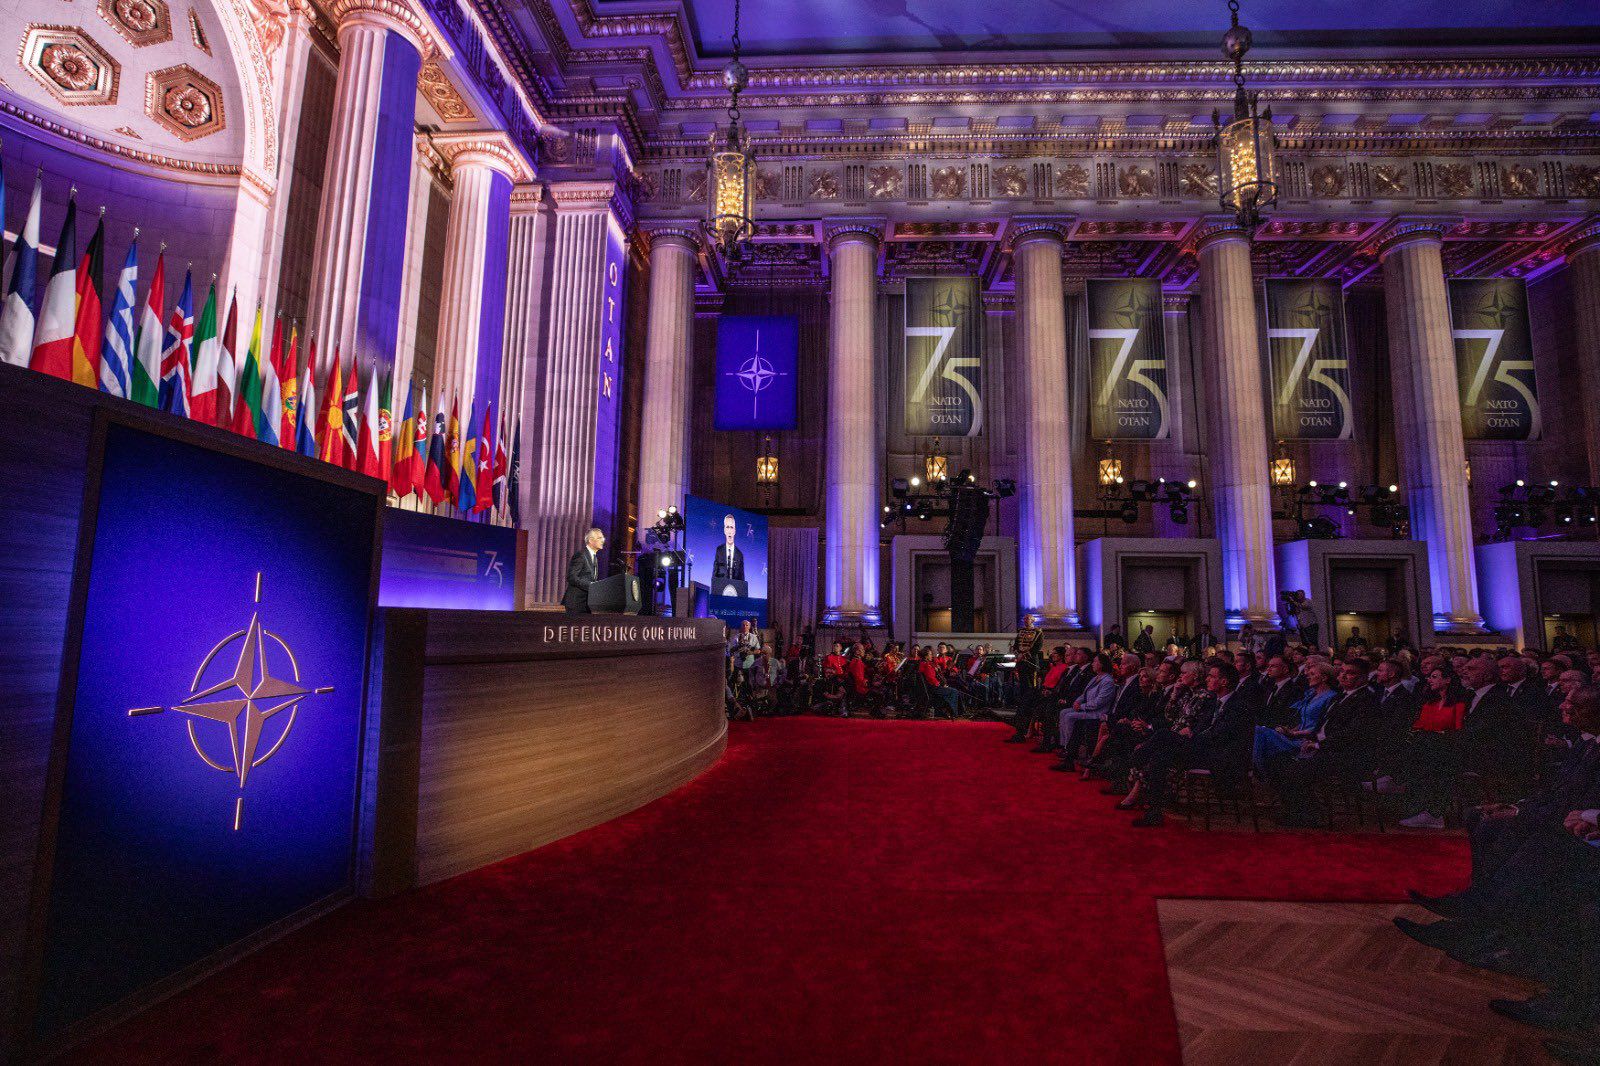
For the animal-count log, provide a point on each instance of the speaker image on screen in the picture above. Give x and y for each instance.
(726, 549)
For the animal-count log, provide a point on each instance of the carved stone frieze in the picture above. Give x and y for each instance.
(1389, 181)
(949, 183)
(1198, 179)
(1583, 180)
(1010, 181)
(443, 96)
(1136, 181)
(1520, 180)
(824, 185)
(1072, 181)
(884, 182)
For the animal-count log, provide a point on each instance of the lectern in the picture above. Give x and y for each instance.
(617, 594)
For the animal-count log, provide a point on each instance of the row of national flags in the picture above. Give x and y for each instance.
(168, 359)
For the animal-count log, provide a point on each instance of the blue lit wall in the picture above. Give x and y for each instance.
(430, 561)
(161, 859)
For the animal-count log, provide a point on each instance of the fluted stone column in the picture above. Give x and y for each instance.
(1236, 428)
(361, 230)
(669, 333)
(573, 477)
(472, 304)
(1583, 260)
(1427, 403)
(1047, 569)
(850, 567)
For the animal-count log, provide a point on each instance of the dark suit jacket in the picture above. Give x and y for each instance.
(1279, 706)
(1574, 786)
(580, 575)
(721, 574)
(1224, 732)
(1399, 708)
(1354, 731)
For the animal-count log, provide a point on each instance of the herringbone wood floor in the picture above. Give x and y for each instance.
(1321, 983)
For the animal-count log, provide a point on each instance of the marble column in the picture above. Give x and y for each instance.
(574, 476)
(1047, 568)
(1583, 263)
(293, 57)
(359, 263)
(1427, 403)
(1238, 471)
(472, 303)
(854, 462)
(526, 286)
(669, 333)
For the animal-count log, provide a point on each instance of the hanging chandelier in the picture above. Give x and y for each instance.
(732, 165)
(1247, 178)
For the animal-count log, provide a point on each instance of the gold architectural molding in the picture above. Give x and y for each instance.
(487, 148)
(399, 16)
(443, 95)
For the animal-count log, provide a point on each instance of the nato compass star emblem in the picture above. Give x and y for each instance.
(245, 702)
(757, 374)
(1313, 310)
(1498, 309)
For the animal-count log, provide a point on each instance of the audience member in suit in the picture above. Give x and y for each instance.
(1348, 743)
(1081, 718)
(583, 570)
(1217, 740)
(1316, 694)
(1140, 708)
(1281, 690)
(1530, 906)
(1496, 736)
(1530, 698)
(1079, 673)
(1397, 700)
(1251, 682)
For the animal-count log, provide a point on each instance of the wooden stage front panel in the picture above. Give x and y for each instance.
(503, 731)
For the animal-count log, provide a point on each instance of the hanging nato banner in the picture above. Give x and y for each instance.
(944, 357)
(1494, 358)
(1309, 359)
(1127, 360)
(214, 748)
(757, 357)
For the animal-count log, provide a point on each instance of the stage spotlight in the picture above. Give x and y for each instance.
(1130, 513)
(1005, 488)
(899, 487)
(915, 481)
(1180, 514)
(1318, 529)
(1193, 484)
(665, 560)
(662, 513)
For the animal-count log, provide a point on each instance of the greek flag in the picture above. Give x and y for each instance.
(118, 352)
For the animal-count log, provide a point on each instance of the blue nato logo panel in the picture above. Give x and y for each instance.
(757, 364)
(212, 764)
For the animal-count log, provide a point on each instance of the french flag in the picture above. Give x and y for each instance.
(58, 315)
(16, 313)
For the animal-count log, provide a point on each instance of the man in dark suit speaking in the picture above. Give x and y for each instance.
(583, 570)
(728, 567)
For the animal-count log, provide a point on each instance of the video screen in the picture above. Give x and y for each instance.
(727, 552)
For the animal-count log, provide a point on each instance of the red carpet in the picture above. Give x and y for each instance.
(834, 892)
